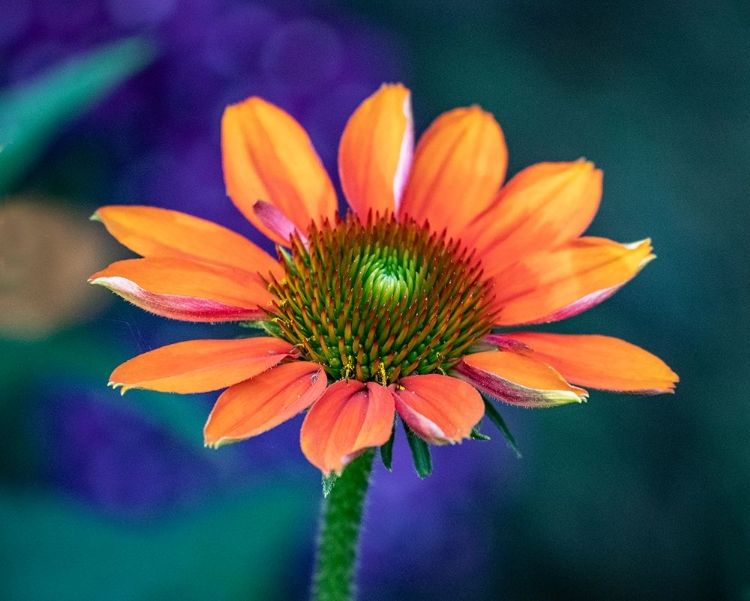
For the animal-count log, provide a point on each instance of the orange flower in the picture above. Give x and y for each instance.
(389, 309)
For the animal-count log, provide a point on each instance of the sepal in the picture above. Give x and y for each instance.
(491, 411)
(386, 450)
(420, 453)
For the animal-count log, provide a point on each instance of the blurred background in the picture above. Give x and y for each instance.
(626, 497)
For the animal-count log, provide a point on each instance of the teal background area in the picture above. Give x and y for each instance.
(625, 497)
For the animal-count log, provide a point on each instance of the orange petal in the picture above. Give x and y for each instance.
(200, 365)
(459, 164)
(550, 286)
(268, 156)
(542, 207)
(186, 289)
(154, 232)
(601, 362)
(349, 418)
(376, 150)
(263, 402)
(440, 409)
(517, 379)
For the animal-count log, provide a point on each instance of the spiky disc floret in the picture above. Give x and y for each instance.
(381, 300)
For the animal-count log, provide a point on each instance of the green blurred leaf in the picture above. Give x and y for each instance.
(420, 453)
(31, 113)
(238, 549)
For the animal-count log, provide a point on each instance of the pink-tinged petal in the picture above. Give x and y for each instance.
(550, 286)
(276, 221)
(263, 402)
(459, 164)
(268, 156)
(155, 232)
(517, 379)
(376, 150)
(601, 362)
(542, 207)
(201, 365)
(440, 409)
(187, 290)
(349, 418)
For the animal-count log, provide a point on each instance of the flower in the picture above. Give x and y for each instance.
(389, 309)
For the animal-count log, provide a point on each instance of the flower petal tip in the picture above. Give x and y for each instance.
(637, 243)
(578, 395)
(393, 84)
(647, 260)
(215, 444)
(646, 244)
(669, 388)
(120, 385)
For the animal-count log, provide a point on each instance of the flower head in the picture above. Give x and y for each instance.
(388, 309)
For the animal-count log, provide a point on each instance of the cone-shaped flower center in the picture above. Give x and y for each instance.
(379, 301)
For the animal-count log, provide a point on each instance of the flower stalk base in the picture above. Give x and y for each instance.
(339, 532)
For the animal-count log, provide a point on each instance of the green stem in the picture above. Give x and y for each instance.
(339, 532)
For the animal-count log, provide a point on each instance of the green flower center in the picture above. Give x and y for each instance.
(379, 301)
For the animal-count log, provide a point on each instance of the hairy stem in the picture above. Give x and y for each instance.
(339, 532)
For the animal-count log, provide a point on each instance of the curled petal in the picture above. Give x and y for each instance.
(542, 207)
(268, 156)
(275, 220)
(200, 365)
(376, 150)
(263, 402)
(517, 379)
(186, 289)
(440, 409)
(550, 286)
(459, 164)
(155, 232)
(601, 362)
(349, 418)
